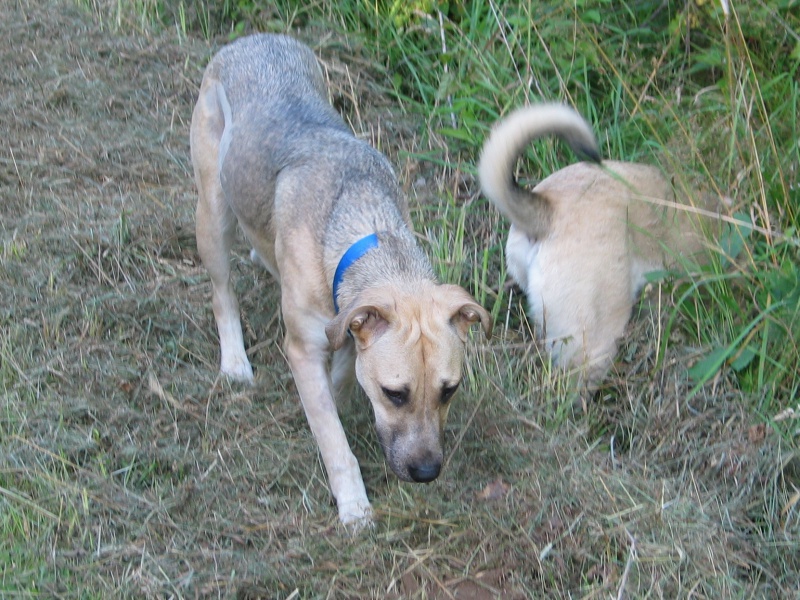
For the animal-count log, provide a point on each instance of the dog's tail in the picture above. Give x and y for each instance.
(527, 210)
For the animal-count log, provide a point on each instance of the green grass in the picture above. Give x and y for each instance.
(128, 470)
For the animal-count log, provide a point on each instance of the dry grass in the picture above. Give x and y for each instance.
(127, 469)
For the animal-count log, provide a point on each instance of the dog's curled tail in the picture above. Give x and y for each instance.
(527, 210)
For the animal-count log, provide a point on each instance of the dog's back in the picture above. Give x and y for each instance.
(280, 130)
(275, 105)
(268, 71)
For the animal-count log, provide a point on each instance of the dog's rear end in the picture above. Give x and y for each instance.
(582, 240)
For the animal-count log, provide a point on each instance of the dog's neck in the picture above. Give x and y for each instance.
(382, 258)
(354, 253)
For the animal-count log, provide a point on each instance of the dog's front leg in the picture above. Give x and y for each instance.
(307, 350)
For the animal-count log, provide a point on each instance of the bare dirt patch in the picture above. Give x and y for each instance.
(128, 469)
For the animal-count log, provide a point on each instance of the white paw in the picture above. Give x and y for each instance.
(238, 370)
(356, 516)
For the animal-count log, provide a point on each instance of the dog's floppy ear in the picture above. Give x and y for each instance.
(366, 322)
(467, 312)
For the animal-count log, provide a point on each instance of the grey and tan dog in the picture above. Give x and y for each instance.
(583, 239)
(325, 215)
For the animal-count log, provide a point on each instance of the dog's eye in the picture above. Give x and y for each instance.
(397, 397)
(448, 391)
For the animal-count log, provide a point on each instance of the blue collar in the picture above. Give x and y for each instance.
(354, 252)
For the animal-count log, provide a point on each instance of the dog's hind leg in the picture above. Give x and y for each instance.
(215, 227)
(584, 314)
(592, 343)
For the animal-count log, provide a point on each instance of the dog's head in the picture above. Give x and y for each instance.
(410, 350)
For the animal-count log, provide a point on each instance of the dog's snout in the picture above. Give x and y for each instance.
(425, 472)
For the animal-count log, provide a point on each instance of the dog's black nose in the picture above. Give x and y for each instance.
(425, 472)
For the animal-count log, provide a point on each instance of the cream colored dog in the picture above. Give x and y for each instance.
(582, 240)
(325, 215)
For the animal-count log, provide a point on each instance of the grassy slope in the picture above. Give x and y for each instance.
(679, 480)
